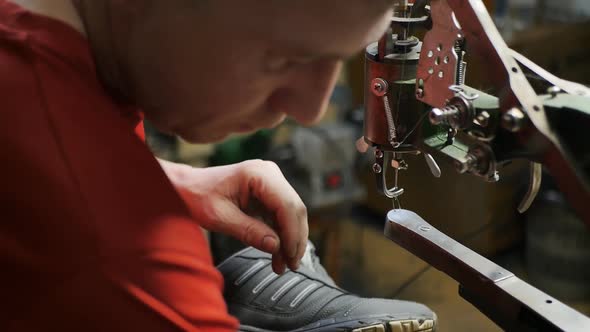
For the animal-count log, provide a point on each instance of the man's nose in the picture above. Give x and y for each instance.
(306, 93)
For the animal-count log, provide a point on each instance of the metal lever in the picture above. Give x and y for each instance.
(567, 86)
(509, 301)
(434, 168)
(536, 175)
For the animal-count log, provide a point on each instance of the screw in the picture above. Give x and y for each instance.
(554, 91)
(436, 116)
(377, 168)
(378, 154)
(425, 228)
(447, 115)
(379, 87)
(483, 119)
(420, 93)
(513, 120)
(494, 178)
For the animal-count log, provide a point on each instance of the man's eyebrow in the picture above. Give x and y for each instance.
(337, 56)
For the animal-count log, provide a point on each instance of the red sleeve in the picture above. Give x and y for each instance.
(140, 129)
(84, 243)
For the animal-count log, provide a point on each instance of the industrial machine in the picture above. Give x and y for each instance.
(417, 103)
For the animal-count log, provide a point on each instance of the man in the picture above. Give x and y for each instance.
(97, 234)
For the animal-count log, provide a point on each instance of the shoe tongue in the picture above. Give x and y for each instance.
(307, 259)
(312, 262)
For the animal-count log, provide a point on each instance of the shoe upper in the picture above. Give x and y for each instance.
(306, 298)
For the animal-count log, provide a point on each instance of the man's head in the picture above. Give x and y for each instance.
(203, 69)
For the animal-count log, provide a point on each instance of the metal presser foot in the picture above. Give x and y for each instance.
(384, 160)
(387, 159)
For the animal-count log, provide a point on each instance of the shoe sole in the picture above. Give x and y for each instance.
(408, 325)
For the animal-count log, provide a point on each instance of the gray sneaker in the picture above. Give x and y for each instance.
(309, 300)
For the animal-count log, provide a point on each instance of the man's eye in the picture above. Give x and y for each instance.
(281, 64)
(277, 64)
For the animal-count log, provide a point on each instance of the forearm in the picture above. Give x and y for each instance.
(179, 175)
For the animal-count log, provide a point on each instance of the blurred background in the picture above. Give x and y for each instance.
(548, 246)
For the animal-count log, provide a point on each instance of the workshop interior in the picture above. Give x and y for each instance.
(452, 168)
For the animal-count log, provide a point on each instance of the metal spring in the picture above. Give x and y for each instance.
(462, 64)
(461, 73)
(390, 122)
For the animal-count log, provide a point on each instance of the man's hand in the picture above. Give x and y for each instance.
(235, 200)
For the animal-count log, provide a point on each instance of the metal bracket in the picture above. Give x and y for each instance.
(382, 163)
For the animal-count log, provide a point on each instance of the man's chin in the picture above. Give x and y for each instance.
(201, 137)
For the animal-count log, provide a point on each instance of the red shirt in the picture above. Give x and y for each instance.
(93, 235)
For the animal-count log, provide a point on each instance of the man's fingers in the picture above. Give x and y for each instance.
(259, 235)
(268, 185)
(238, 194)
(278, 263)
(296, 232)
(230, 220)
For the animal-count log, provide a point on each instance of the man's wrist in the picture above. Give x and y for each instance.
(177, 173)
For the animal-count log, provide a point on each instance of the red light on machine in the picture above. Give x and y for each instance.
(334, 180)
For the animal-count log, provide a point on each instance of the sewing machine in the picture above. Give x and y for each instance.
(417, 102)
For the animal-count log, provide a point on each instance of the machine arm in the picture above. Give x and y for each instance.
(507, 300)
